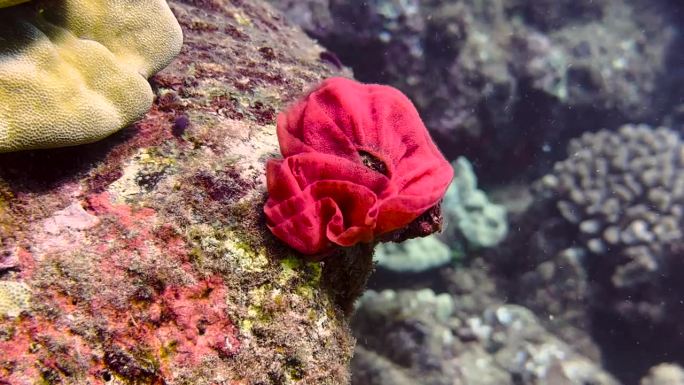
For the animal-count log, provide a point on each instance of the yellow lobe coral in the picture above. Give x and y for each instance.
(9, 3)
(75, 71)
(14, 298)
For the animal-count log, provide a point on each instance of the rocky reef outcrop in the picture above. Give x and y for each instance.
(145, 257)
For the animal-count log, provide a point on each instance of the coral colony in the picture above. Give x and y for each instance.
(358, 163)
(80, 82)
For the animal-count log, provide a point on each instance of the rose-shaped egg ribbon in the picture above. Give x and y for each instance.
(358, 163)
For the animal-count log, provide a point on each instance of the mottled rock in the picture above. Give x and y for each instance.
(147, 254)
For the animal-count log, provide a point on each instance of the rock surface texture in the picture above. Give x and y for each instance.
(147, 255)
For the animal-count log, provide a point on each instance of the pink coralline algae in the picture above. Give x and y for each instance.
(358, 163)
(201, 327)
(188, 322)
(133, 306)
(24, 358)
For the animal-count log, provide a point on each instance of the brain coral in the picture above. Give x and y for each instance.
(358, 163)
(75, 71)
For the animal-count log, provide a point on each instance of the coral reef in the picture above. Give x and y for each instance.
(600, 248)
(664, 374)
(404, 330)
(147, 253)
(472, 287)
(514, 332)
(415, 336)
(550, 15)
(559, 288)
(472, 221)
(76, 71)
(594, 251)
(624, 193)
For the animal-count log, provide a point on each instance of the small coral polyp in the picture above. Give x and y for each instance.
(358, 163)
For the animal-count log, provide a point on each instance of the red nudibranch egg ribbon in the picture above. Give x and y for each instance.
(357, 163)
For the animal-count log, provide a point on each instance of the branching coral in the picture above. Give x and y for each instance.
(75, 71)
(358, 163)
(623, 194)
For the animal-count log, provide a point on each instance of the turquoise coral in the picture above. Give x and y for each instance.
(413, 255)
(469, 212)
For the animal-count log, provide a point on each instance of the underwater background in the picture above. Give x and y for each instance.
(134, 247)
(562, 259)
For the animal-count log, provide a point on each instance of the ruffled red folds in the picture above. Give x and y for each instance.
(358, 163)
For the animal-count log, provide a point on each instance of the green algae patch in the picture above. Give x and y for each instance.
(288, 271)
(248, 259)
(256, 314)
(220, 250)
(312, 270)
(294, 289)
(300, 277)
